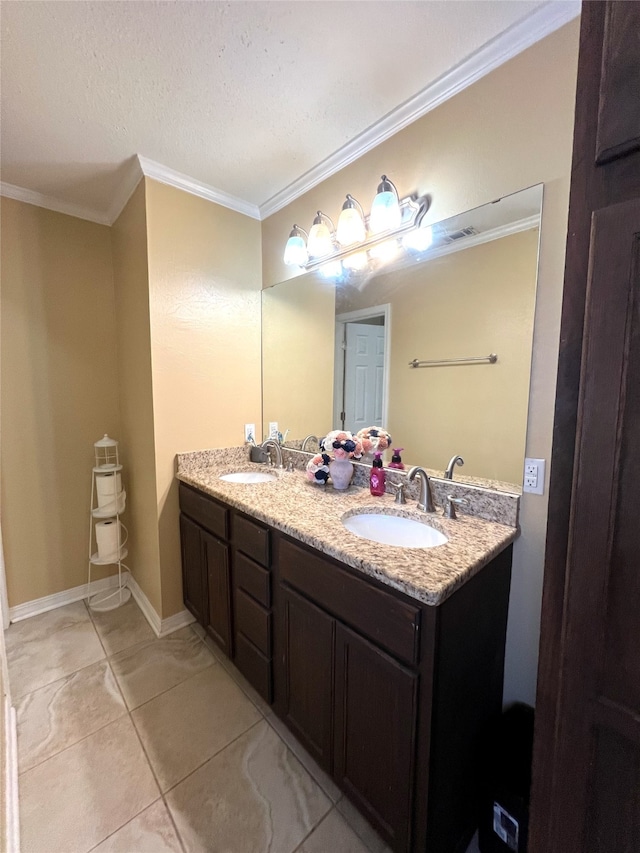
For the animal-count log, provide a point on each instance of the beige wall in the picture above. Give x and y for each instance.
(298, 319)
(510, 130)
(131, 280)
(204, 292)
(59, 391)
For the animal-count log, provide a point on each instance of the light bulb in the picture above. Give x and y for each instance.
(418, 240)
(332, 269)
(357, 261)
(385, 211)
(319, 242)
(384, 251)
(350, 228)
(295, 252)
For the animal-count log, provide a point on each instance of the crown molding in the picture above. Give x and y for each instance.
(51, 203)
(164, 175)
(540, 23)
(132, 177)
(488, 236)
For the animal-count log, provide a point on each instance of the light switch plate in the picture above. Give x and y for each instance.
(534, 476)
(273, 429)
(250, 432)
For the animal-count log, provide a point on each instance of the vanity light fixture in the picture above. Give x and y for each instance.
(320, 240)
(385, 211)
(394, 222)
(295, 252)
(351, 228)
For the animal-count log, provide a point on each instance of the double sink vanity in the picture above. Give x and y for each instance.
(385, 661)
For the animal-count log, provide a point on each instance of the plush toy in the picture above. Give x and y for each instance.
(338, 444)
(373, 439)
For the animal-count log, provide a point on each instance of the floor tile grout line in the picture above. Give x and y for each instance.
(167, 689)
(313, 829)
(182, 843)
(304, 766)
(211, 757)
(153, 773)
(111, 834)
(18, 699)
(124, 713)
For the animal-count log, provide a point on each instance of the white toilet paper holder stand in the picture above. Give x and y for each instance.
(106, 482)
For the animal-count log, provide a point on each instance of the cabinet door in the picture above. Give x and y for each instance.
(218, 612)
(305, 694)
(194, 580)
(375, 725)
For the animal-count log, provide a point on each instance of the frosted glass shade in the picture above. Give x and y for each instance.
(350, 227)
(319, 242)
(385, 213)
(295, 252)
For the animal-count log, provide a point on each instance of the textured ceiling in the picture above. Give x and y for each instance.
(242, 96)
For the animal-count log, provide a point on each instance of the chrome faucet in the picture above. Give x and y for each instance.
(425, 501)
(455, 460)
(269, 443)
(310, 438)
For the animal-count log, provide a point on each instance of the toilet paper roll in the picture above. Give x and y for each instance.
(107, 538)
(109, 505)
(107, 486)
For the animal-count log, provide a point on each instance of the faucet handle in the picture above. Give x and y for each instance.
(400, 489)
(450, 506)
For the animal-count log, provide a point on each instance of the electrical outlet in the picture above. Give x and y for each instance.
(250, 432)
(534, 476)
(273, 429)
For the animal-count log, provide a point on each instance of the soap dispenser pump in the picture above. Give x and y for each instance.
(396, 459)
(377, 476)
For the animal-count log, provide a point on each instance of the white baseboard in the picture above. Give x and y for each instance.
(175, 622)
(160, 627)
(59, 599)
(11, 841)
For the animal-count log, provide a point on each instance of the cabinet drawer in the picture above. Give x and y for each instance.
(252, 578)
(254, 622)
(251, 539)
(392, 624)
(205, 510)
(255, 667)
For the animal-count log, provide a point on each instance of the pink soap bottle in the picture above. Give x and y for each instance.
(396, 460)
(377, 476)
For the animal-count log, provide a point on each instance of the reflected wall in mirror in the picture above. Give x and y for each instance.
(338, 353)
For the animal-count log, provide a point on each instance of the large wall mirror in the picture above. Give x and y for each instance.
(406, 346)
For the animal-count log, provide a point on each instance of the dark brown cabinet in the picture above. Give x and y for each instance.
(217, 609)
(206, 571)
(389, 695)
(194, 580)
(376, 704)
(304, 699)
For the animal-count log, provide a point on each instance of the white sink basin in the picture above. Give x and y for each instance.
(394, 530)
(249, 477)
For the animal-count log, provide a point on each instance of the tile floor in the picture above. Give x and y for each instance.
(130, 744)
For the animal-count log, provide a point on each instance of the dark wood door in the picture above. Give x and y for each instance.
(194, 579)
(375, 728)
(304, 695)
(218, 609)
(586, 774)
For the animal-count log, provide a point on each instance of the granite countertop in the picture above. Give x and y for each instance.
(312, 514)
